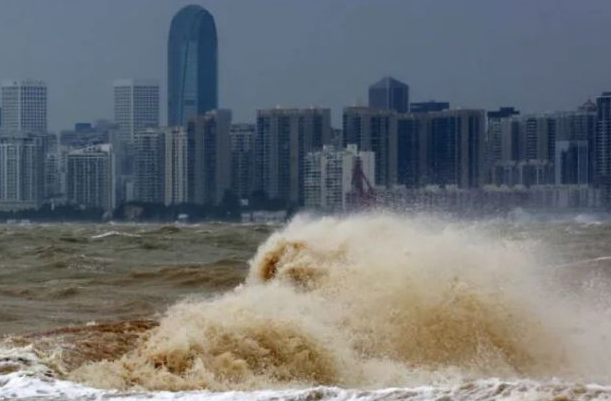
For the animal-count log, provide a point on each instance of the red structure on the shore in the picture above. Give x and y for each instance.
(362, 194)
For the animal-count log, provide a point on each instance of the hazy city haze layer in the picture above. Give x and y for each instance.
(537, 56)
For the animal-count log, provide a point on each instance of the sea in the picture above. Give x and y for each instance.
(371, 306)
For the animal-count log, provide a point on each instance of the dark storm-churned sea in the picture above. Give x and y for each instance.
(369, 307)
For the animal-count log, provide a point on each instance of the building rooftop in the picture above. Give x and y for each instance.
(99, 148)
(136, 82)
(387, 82)
(23, 82)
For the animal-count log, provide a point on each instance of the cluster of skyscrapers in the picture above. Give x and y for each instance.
(392, 150)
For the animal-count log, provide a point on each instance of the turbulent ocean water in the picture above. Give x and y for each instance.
(367, 307)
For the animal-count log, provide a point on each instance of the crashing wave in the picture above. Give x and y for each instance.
(370, 302)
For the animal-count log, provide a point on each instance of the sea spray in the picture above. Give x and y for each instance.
(367, 301)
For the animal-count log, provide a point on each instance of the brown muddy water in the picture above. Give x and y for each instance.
(52, 276)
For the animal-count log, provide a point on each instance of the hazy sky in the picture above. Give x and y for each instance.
(537, 55)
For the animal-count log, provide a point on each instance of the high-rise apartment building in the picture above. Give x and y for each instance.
(603, 147)
(136, 106)
(24, 107)
(90, 177)
(242, 159)
(374, 130)
(209, 156)
(552, 148)
(192, 65)
(411, 150)
(540, 132)
(389, 94)
(505, 150)
(149, 171)
(456, 148)
(21, 172)
(571, 163)
(575, 143)
(161, 166)
(283, 138)
(503, 142)
(175, 179)
(329, 173)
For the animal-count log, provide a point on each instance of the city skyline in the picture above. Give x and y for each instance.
(277, 65)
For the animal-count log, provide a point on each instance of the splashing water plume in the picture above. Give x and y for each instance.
(368, 301)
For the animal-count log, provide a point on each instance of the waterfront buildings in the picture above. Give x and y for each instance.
(90, 177)
(160, 166)
(602, 156)
(283, 138)
(329, 176)
(571, 163)
(209, 156)
(504, 140)
(136, 106)
(24, 107)
(21, 172)
(542, 149)
(374, 130)
(192, 65)
(411, 150)
(149, 166)
(456, 148)
(175, 172)
(242, 159)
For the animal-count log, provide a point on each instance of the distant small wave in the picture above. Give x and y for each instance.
(585, 261)
(114, 234)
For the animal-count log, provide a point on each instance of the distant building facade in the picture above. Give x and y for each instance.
(505, 136)
(21, 172)
(374, 130)
(149, 169)
(283, 138)
(242, 159)
(161, 166)
(90, 177)
(24, 107)
(456, 148)
(411, 150)
(136, 106)
(175, 167)
(210, 156)
(192, 65)
(328, 176)
(603, 147)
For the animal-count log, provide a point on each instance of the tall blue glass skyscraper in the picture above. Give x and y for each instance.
(192, 65)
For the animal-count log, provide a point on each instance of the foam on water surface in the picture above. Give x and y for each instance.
(22, 386)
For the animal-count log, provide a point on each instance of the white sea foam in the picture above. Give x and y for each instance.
(21, 385)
